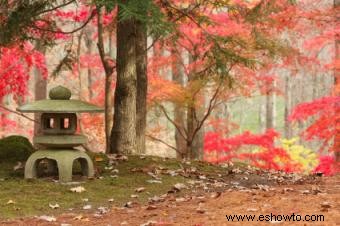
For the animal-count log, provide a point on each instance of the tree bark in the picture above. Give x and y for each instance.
(198, 141)
(109, 69)
(142, 85)
(300, 99)
(89, 45)
(123, 133)
(315, 86)
(190, 127)
(80, 93)
(108, 109)
(179, 111)
(40, 89)
(288, 107)
(269, 110)
(194, 115)
(262, 114)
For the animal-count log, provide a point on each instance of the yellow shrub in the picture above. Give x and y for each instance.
(300, 154)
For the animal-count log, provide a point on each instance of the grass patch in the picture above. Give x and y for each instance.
(33, 197)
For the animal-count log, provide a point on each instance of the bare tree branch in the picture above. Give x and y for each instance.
(54, 8)
(93, 13)
(100, 43)
(19, 113)
(185, 136)
(163, 142)
(211, 106)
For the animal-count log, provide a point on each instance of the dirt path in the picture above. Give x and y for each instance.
(211, 209)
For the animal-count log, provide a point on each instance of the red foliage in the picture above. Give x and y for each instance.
(15, 65)
(80, 15)
(214, 141)
(6, 123)
(267, 157)
(323, 128)
(327, 166)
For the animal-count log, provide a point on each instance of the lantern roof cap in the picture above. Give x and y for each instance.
(60, 102)
(60, 93)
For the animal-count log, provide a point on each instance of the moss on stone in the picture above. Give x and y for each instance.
(15, 148)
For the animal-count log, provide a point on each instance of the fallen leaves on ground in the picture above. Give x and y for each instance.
(10, 202)
(47, 218)
(140, 189)
(54, 206)
(78, 189)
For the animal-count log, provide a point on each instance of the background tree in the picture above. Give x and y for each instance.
(142, 81)
(218, 67)
(40, 87)
(123, 134)
(109, 68)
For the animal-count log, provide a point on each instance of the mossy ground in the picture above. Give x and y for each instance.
(33, 197)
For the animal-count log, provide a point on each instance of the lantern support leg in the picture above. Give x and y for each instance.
(65, 170)
(64, 159)
(86, 166)
(31, 166)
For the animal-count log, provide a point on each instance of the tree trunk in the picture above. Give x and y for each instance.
(40, 89)
(89, 45)
(262, 114)
(108, 98)
(108, 109)
(190, 127)
(123, 133)
(274, 106)
(315, 86)
(108, 65)
(194, 116)
(80, 93)
(337, 93)
(288, 107)
(142, 85)
(198, 141)
(269, 110)
(179, 111)
(300, 99)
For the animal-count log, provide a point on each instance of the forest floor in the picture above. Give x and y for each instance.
(204, 195)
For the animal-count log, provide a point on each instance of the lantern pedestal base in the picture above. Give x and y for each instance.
(64, 160)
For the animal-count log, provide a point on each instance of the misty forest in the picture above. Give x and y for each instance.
(168, 112)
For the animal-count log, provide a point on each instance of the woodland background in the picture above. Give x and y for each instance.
(226, 80)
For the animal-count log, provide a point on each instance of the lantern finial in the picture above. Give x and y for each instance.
(60, 93)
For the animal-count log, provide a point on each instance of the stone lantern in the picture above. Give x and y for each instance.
(59, 139)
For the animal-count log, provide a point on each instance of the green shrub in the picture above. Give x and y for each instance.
(15, 148)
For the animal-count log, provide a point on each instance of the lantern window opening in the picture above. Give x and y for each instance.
(65, 123)
(50, 123)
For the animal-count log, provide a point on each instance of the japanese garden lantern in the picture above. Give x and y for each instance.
(59, 139)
